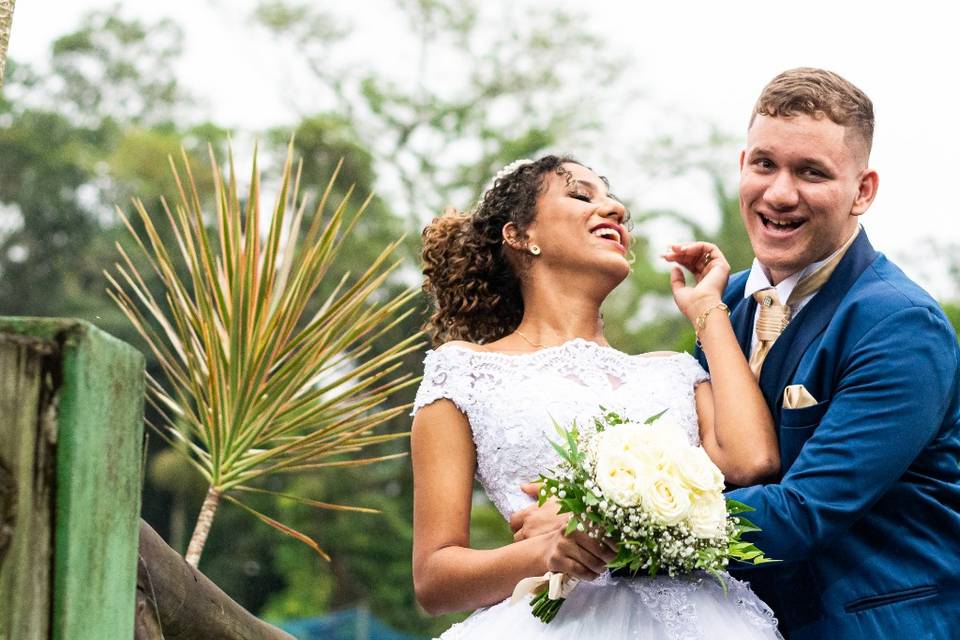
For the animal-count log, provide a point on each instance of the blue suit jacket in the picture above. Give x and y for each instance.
(866, 515)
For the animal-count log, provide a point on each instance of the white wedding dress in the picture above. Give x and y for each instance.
(509, 401)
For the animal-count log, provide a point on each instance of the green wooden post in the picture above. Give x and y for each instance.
(71, 429)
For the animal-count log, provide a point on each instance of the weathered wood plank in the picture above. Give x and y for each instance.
(27, 437)
(96, 390)
(99, 461)
(178, 601)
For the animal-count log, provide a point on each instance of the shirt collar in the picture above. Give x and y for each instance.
(758, 280)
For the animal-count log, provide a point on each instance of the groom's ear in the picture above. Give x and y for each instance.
(869, 182)
(743, 155)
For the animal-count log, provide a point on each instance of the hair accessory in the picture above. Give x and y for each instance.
(503, 173)
(535, 249)
(510, 168)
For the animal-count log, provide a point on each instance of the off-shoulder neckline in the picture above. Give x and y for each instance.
(564, 346)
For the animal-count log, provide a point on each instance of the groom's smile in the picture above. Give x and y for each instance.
(779, 225)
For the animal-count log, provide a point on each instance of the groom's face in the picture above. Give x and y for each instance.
(803, 182)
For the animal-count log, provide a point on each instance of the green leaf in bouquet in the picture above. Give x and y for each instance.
(609, 419)
(564, 506)
(573, 434)
(564, 454)
(708, 555)
(749, 553)
(735, 507)
(623, 558)
(571, 526)
(574, 505)
(594, 517)
(745, 526)
(654, 567)
(654, 418)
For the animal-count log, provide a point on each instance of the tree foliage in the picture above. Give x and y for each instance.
(489, 84)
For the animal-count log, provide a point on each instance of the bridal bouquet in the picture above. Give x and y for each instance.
(646, 488)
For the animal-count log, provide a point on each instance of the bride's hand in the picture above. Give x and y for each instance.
(534, 520)
(710, 271)
(576, 555)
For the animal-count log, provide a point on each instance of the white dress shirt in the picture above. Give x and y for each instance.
(759, 279)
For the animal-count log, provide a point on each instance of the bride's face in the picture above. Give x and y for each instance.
(579, 225)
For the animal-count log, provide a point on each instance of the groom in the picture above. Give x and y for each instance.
(859, 366)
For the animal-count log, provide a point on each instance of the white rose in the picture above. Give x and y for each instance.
(621, 464)
(618, 477)
(624, 438)
(698, 471)
(665, 497)
(708, 513)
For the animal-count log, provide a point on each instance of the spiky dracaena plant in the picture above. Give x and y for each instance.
(257, 384)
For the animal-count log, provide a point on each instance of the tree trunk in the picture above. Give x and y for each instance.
(6, 23)
(202, 530)
(177, 602)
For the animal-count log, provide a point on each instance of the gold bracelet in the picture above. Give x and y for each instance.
(701, 320)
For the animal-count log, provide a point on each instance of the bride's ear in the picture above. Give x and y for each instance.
(511, 237)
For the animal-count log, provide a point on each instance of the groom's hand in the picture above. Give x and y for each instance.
(533, 521)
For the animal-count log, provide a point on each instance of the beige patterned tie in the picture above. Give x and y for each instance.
(773, 319)
(774, 316)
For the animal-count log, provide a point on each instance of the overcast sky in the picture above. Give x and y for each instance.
(707, 60)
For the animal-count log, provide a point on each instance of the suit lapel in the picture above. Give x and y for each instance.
(784, 357)
(742, 320)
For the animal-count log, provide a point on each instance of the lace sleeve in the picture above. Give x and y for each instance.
(446, 374)
(692, 370)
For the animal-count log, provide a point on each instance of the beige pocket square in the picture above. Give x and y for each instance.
(796, 396)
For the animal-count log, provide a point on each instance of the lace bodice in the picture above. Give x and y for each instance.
(511, 401)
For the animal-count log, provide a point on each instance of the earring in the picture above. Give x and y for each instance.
(535, 249)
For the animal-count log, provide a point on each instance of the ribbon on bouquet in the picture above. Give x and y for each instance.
(559, 586)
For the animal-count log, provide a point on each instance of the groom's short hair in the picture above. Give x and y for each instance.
(817, 93)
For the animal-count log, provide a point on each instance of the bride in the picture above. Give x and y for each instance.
(517, 286)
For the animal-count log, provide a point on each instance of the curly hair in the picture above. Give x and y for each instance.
(473, 283)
